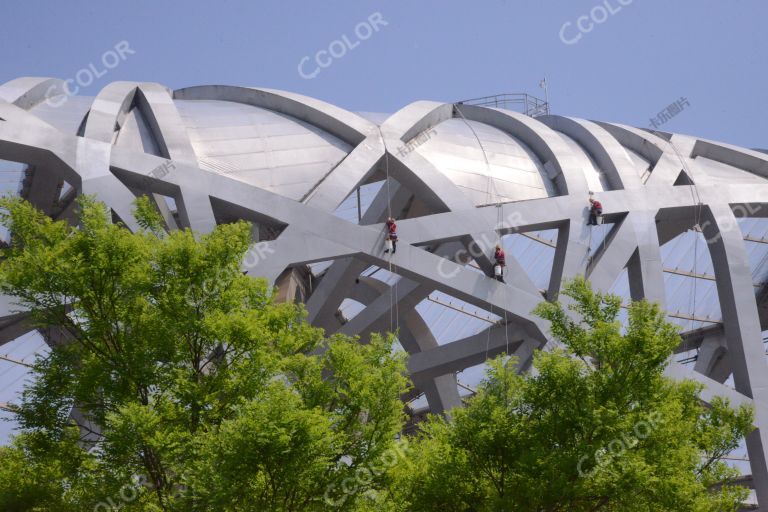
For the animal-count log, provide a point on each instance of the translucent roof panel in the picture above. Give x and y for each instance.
(598, 236)
(513, 172)
(11, 176)
(535, 251)
(473, 375)
(350, 210)
(451, 319)
(261, 147)
(16, 355)
(755, 232)
(350, 308)
(692, 300)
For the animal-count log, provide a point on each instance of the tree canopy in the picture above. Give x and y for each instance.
(195, 389)
(594, 427)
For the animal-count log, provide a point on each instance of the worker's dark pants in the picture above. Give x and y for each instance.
(593, 214)
(393, 239)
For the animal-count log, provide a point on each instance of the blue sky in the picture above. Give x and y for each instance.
(643, 57)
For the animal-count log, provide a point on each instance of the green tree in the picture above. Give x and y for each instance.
(598, 427)
(208, 395)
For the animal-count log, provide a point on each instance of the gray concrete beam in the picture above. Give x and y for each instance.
(742, 329)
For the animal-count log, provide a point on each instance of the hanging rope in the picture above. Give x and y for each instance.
(394, 308)
(485, 155)
(603, 230)
(696, 220)
(491, 194)
(697, 211)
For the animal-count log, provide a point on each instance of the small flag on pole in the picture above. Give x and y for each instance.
(543, 83)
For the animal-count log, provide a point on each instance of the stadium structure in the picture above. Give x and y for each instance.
(684, 219)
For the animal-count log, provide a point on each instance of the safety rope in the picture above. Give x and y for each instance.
(697, 210)
(499, 223)
(491, 183)
(394, 309)
(603, 230)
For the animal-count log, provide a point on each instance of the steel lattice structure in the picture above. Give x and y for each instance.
(287, 162)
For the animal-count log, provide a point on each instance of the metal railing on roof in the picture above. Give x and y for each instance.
(521, 102)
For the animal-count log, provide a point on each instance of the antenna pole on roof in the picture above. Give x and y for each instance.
(543, 85)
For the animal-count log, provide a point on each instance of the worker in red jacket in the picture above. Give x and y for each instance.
(501, 262)
(391, 235)
(595, 210)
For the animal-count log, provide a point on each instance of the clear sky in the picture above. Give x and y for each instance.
(642, 57)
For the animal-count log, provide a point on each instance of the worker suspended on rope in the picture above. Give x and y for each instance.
(501, 262)
(595, 212)
(391, 240)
